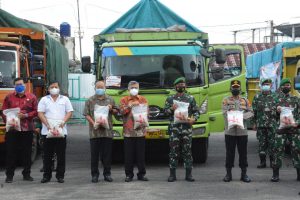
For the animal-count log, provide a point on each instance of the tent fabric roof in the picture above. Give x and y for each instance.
(57, 54)
(149, 14)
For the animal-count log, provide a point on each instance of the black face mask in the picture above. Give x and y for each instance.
(235, 92)
(286, 90)
(180, 89)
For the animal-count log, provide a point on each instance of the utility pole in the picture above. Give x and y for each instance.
(79, 31)
(234, 37)
(271, 32)
(253, 35)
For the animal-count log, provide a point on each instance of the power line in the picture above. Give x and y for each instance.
(221, 25)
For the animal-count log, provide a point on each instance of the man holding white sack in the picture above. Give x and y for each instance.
(21, 134)
(134, 136)
(98, 111)
(180, 128)
(54, 110)
(236, 130)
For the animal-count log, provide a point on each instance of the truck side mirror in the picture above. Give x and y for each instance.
(220, 56)
(297, 82)
(86, 64)
(205, 53)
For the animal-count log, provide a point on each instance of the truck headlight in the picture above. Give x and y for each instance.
(203, 108)
(199, 131)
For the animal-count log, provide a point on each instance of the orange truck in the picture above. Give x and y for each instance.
(35, 57)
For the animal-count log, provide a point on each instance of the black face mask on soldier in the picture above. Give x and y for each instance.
(235, 92)
(180, 89)
(286, 90)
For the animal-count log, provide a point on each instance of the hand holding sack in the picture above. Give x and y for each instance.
(12, 119)
(140, 116)
(181, 113)
(101, 116)
(55, 131)
(286, 118)
(235, 118)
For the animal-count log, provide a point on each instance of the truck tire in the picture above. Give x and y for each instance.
(35, 145)
(200, 150)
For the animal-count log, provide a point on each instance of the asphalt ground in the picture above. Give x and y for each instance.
(208, 184)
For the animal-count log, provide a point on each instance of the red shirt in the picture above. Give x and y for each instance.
(27, 104)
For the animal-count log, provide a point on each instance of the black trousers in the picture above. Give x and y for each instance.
(58, 146)
(241, 143)
(101, 147)
(18, 143)
(134, 152)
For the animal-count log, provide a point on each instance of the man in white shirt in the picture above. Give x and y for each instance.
(54, 110)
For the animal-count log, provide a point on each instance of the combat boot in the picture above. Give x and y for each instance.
(275, 177)
(298, 174)
(172, 176)
(244, 177)
(228, 176)
(262, 161)
(188, 175)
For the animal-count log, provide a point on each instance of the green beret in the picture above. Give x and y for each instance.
(267, 80)
(179, 80)
(284, 81)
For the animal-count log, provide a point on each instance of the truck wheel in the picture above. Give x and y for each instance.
(200, 150)
(34, 147)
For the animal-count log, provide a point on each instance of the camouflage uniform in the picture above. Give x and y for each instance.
(181, 134)
(264, 118)
(291, 135)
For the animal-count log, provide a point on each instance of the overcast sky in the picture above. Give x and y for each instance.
(216, 17)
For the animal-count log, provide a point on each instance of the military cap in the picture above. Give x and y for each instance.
(179, 80)
(235, 83)
(284, 81)
(267, 80)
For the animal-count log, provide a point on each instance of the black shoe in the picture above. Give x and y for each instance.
(60, 180)
(244, 177)
(172, 176)
(188, 175)
(27, 178)
(275, 177)
(228, 176)
(142, 178)
(95, 179)
(45, 180)
(108, 178)
(263, 163)
(128, 179)
(9, 180)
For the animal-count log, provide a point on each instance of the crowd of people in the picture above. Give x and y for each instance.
(274, 115)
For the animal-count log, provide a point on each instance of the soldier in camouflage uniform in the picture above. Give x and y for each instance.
(291, 135)
(181, 133)
(264, 121)
(236, 136)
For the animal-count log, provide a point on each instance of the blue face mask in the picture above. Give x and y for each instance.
(20, 88)
(100, 92)
(265, 88)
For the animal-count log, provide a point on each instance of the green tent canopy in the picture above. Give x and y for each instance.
(57, 55)
(149, 14)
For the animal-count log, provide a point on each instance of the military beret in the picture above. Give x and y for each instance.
(179, 80)
(284, 81)
(267, 80)
(235, 83)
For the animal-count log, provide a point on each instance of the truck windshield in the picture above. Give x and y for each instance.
(156, 71)
(7, 68)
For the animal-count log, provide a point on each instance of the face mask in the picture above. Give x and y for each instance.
(180, 89)
(265, 88)
(235, 92)
(286, 90)
(100, 92)
(20, 88)
(134, 91)
(54, 91)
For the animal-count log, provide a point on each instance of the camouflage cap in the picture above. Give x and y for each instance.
(284, 81)
(179, 80)
(267, 80)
